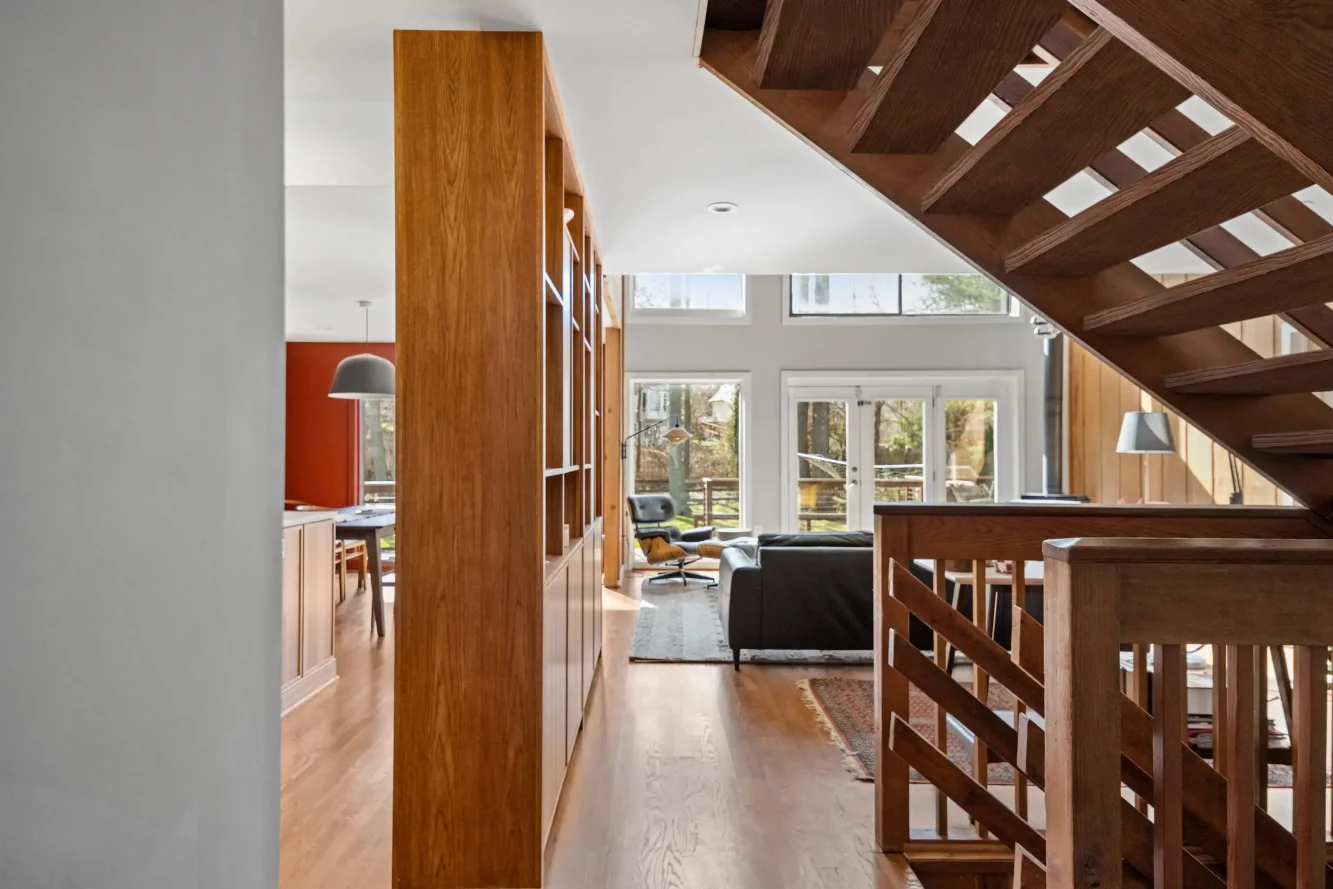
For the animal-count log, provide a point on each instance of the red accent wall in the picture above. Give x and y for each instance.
(323, 460)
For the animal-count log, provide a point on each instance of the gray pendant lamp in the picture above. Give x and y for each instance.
(363, 376)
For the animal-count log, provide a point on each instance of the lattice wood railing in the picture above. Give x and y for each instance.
(911, 538)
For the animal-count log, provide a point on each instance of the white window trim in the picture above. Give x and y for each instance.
(1015, 314)
(1007, 385)
(686, 316)
(627, 464)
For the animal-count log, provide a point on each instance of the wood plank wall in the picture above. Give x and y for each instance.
(470, 137)
(1197, 473)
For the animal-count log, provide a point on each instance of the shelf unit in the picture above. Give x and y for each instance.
(500, 367)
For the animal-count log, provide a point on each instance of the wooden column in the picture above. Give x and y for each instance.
(1083, 840)
(468, 674)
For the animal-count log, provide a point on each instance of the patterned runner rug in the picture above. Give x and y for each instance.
(846, 708)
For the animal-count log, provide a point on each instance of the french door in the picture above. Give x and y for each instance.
(850, 447)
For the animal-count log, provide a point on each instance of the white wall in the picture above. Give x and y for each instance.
(765, 347)
(141, 442)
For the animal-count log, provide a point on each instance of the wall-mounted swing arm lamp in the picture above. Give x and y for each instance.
(675, 435)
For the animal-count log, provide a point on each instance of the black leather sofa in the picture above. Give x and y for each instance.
(803, 591)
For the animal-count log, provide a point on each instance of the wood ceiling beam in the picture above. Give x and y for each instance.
(1302, 372)
(1102, 94)
(914, 107)
(817, 45)
(821, 119)
(1283, 281)
(1224, 177)
(1264, 65)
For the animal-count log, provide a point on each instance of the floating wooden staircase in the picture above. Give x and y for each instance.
(1120, 67)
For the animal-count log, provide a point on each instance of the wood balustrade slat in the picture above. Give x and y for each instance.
(1309, 753)
(941, 585)
(1244, 728)
(966, 637)
(1168, 783)
(970, 796)
(974, 715)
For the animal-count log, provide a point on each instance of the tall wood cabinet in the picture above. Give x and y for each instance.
(500, 424)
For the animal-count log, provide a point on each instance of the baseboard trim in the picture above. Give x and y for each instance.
(305, 688)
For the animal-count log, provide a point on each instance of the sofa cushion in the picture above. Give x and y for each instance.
(819, 538)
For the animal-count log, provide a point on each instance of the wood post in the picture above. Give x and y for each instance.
(893, 541)
(1083, 726)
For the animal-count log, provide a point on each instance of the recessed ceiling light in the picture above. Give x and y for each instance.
(722, 207)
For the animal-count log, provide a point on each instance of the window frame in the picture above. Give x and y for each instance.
(742, 381)
(635, 315)
(1014, 313)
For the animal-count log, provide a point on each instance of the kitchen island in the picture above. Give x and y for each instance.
(308, 664)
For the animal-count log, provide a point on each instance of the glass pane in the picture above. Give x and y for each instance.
(844, 294)
(969, 441)
(821, 465)
(707, 293)
(953, 295)
(702, 473)
(899, 450)
(378, 451)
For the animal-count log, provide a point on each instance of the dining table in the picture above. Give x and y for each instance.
(370, 527)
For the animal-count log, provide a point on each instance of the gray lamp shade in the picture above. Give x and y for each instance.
(1146, 432)
(363, 376)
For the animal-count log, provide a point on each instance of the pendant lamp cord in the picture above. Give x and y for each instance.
(367, 325)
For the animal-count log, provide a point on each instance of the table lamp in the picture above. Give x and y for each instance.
(1145, 432)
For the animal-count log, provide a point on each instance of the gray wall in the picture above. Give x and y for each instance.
(765, 347)
(141, 442)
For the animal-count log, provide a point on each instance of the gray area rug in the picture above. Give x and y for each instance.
(680, 624)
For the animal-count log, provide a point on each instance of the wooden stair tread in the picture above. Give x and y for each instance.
(1224, 177)
(911, 109)
(816, 45)
(1284, 281)
(1303, 372)
(1315, 442)
(1102, 94)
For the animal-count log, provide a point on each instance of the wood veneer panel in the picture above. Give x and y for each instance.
(1283, 281)
(468, 684)
(1302, 372)
(916, 102)
(1097, 98)
(816, 45)
(1263, 65)
(1224, 177)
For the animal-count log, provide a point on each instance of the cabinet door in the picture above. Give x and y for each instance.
(554, 678)
(574, 651)
(316, 595)
(291, 604)
(590, 583)
(598, 574)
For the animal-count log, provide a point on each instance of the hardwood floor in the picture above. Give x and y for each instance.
(687, 776)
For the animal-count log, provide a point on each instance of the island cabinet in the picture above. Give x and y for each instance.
(308, 664)
(571, 617)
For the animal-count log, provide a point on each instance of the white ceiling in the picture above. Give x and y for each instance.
(657, 138)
